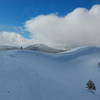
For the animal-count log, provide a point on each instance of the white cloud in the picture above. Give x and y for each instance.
(12, 38)
(81, 27)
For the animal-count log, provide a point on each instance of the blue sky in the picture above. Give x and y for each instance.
(16, 12)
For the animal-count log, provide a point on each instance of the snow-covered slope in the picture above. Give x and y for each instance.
(35, 47)
(7, 47)
(32, 75)
(43, 48)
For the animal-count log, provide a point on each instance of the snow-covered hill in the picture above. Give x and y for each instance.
(43, 48)
(33, 75)
(7, 47)
(35, 47)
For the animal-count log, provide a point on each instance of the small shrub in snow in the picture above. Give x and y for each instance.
(90, 85)
(99, 64)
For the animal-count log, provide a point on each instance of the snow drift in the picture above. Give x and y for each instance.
(33, 75)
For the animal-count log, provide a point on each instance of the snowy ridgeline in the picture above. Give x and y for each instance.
(35, 47)
(33, 75)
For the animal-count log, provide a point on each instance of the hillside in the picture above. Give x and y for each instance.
(43, 48)
(7, 47)
(33, 75)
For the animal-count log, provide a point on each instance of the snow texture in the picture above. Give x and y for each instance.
(32, 75)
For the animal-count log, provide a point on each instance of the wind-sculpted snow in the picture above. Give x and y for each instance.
(33, 75)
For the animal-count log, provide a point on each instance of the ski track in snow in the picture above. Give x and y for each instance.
(31, 75)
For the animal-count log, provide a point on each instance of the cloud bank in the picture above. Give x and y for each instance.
(12, 39)
(80, 27)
